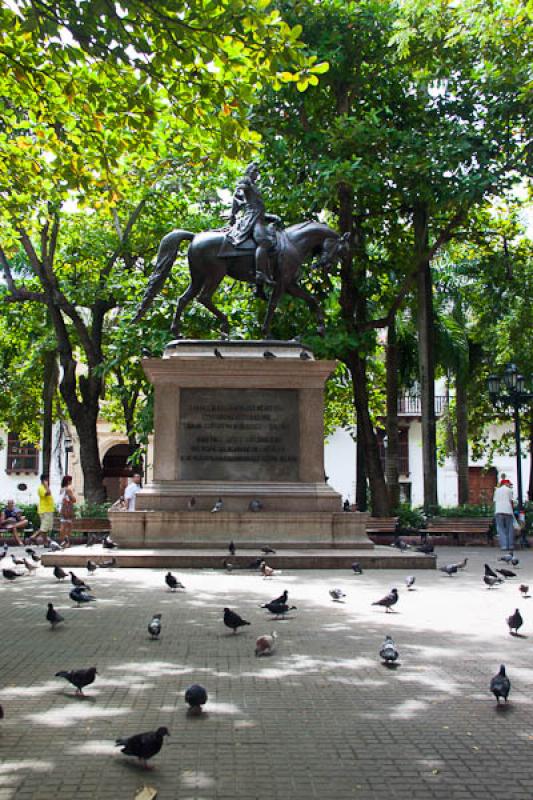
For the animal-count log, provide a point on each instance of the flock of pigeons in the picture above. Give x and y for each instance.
(146, 745)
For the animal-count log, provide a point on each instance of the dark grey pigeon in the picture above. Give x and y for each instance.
(356, 568)
(389, 600)
(231, 547)
(500, 685)
(196, 697)
(143, 745)
(490, 571)
(78, 677)
(449, 569)
(79, 582)
(515, 622)
(10, 574)
(59, 573)
(388, 651)
(278, 609)
(255, 505)
(507, 573)
(53, 617)
(233, 621)
(81, 596)
(281, 599)
(491, 582)
(337, 595)
(425, 547)
(172, 582)
(154, 627)
(91, 567)
(268, 550)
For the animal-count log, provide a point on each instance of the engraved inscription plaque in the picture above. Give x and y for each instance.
(239, 434)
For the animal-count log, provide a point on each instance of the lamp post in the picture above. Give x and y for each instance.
(68, 449)
(510, 391)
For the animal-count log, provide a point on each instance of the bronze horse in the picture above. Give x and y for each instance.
(208, 268)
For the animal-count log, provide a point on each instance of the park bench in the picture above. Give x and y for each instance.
(88, 529)
(461, 529)
(382, 530)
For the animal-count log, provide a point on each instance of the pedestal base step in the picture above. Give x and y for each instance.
(379, 558)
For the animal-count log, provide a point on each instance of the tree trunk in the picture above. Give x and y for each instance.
(426, 361)
(392, 451)
(461, 417)
(360, 476)
(378, 489)
(50, 378)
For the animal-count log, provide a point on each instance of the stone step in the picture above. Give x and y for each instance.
(378, 558)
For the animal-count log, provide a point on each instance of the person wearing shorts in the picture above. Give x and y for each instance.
(46, 510)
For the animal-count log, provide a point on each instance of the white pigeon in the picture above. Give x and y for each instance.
(388, 651)
(219, 505)
(264, 645)
(410, 582)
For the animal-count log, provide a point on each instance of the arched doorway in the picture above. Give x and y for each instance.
(116, 470)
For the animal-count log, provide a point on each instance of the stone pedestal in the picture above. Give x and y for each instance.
(240, 422)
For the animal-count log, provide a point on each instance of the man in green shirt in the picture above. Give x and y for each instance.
(46, 511)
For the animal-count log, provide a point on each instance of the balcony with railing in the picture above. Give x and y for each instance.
(410, 405)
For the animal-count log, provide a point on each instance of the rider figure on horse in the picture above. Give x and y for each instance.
(248, 219)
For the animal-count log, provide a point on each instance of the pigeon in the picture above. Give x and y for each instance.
(3, 554)
(268, 572)
(228, 566)
(500, 685)
(400, 544)
(515, 622)
(191, 503)
(410, 582)
(509, 558)
(491, 582)
(269, 354)
(108, 543)
(172, 582)
(78, 677)
(1, 713)
(304, 356)
(143, 745)
(268, 551)
(282, 598)
(449, 569)
(356, 568)
(427, 548)
(462, 564)
(389, 600)
(154, 628)
(19, 562)
(255, 564)
(196, 697)
(59, 573)
(337, 595)
(232, 548)
(219, 505)
(78, 582)
(53, 617)
(30, 567)
(388, 651)
(278, 609)
(524, 590)
(110, 562)
(80, 596)
(10, 574)
(54, 546)
(33, 555)
(264, 645)
(233, 621)
(507, 573)
(490, 571)
(255, 505)
(91, 567)
(217, 353)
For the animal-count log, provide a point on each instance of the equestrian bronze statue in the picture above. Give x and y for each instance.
(253, 250)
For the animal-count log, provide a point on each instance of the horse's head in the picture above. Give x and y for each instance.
(333, 249)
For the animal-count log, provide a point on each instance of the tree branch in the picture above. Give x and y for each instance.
(17, 294)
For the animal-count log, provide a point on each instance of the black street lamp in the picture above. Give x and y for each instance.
(68, 449)
(510, 392)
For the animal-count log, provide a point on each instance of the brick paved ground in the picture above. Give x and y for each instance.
(321, 718)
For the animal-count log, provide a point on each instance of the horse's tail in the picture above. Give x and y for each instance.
(166, 255)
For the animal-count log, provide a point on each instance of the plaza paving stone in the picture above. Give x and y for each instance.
(320, 718)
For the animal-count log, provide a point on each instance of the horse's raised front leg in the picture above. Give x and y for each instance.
(188, 295)
(312, 302)
(277, 291)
